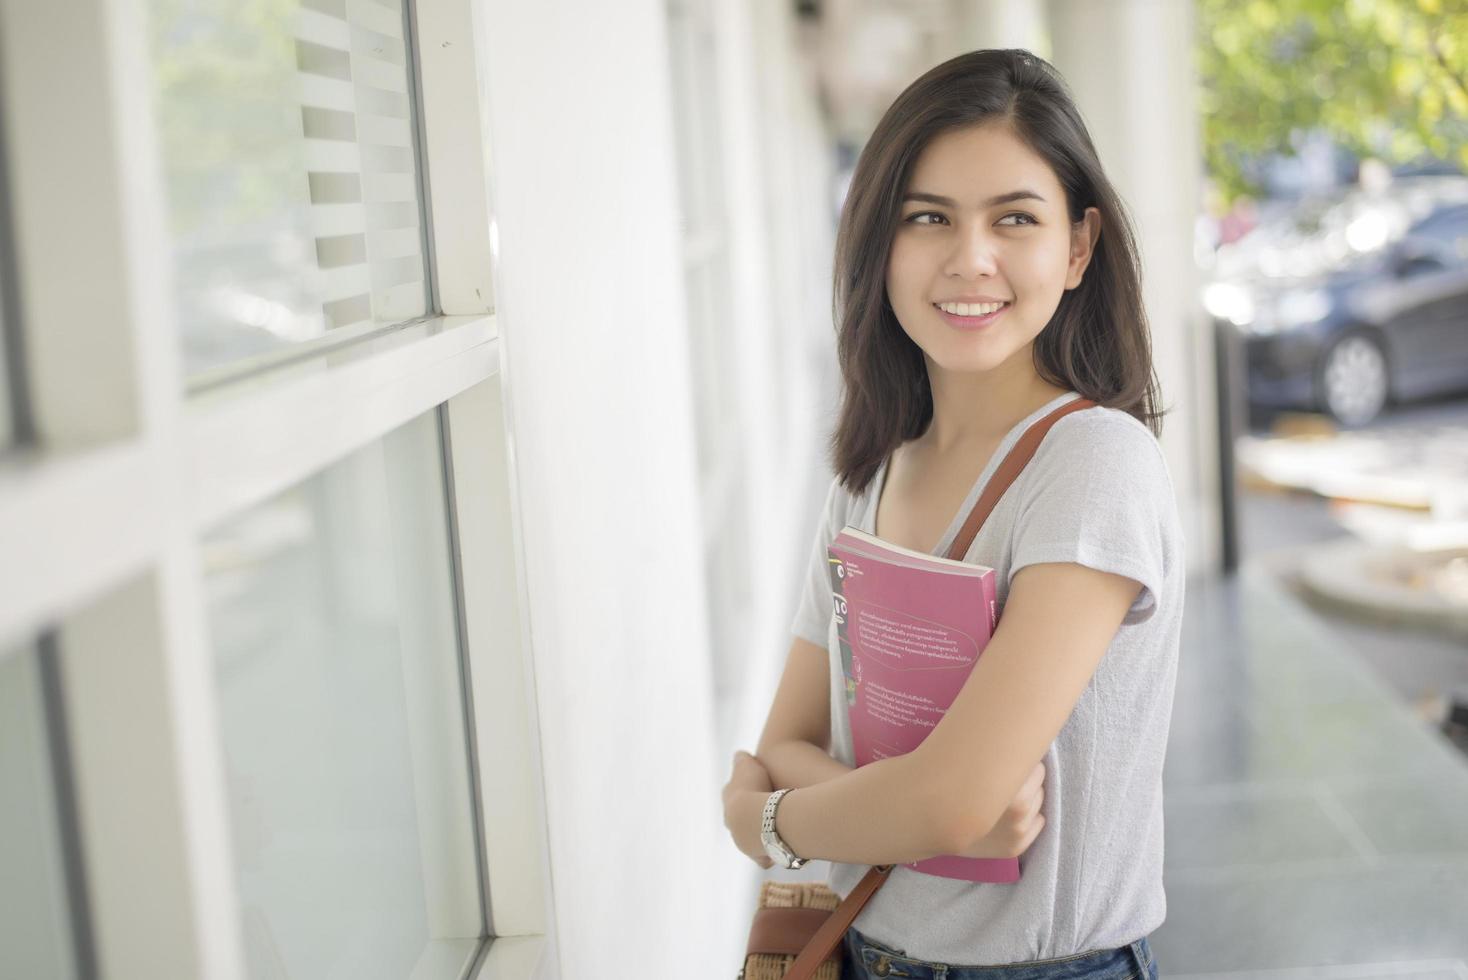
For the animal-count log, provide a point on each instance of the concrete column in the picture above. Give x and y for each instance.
(1130, 66)
(999, 24)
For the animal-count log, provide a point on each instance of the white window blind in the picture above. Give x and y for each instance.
(290, 142)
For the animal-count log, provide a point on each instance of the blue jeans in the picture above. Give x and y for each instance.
(866, 959)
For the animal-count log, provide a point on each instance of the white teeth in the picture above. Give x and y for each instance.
(969, 309)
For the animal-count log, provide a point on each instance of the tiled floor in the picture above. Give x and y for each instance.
(1316, 827)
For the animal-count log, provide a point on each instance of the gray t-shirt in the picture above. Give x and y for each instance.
(1097, 492)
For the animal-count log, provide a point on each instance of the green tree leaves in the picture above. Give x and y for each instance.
(1385, 78)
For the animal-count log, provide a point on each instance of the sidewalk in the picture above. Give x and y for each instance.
(1315, 826)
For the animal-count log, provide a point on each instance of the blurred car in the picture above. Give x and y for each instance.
(1353, 303)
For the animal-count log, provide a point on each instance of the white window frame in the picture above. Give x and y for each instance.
(100, 519)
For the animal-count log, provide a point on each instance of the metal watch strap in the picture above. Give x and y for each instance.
(768, 831)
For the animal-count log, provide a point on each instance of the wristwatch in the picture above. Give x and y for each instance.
(776, 848)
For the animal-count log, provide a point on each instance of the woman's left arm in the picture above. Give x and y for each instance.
(848, 818)
(950, 791)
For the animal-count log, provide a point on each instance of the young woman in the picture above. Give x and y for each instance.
(986, 274)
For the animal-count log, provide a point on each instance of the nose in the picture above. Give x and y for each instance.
(972, 255)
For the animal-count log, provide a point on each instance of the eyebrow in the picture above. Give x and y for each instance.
(1018, 195)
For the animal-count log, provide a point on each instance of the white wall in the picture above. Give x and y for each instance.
(783, 235)
(779, 168)
(591, 309)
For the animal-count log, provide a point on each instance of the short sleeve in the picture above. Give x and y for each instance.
(1098, 493)
(813, 614)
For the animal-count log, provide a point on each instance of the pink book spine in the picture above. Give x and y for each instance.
(909, 638)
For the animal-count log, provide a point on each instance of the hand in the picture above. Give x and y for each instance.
(744, 800)
(1019, 825)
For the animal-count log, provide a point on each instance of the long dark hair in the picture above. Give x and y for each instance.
(1097, 343)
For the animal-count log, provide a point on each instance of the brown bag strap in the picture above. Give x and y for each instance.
(1013, 463)
(783, 931)
(829, 935)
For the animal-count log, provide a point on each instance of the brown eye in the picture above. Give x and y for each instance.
(912, 218)
(1029, 219)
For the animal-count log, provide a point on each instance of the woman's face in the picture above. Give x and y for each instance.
(957, 240)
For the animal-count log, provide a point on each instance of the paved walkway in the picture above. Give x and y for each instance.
(1315, 826)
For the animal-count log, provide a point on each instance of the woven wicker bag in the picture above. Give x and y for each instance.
(793, 895)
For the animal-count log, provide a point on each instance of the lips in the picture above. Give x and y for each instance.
(972, 322)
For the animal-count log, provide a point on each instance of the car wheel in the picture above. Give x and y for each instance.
(1354, 384)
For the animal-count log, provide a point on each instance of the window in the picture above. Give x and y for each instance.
(336, 657)
(1444, 234)
(276, 567)
(35, 929)
(293, 192)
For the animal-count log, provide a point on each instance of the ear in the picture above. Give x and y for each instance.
(1083, 237)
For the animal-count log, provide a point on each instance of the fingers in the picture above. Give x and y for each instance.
(1035, 804)
(748, 770)
(1023, 809)
(1031, 797)
(1033, 787)
(1023, 820)
(1034, 831)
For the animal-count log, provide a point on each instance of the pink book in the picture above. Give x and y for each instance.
(911, 627)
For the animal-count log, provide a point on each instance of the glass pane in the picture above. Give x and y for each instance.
(288, 138)
(332, 618)
(35, 929)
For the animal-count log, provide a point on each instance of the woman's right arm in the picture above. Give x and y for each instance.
(793, 746)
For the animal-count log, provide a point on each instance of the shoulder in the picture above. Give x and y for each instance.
(840, 504)
(1104, 451)
(1099, 423)
(1101, 433)
(1098, 492)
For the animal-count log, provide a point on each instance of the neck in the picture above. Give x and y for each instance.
(981, 408)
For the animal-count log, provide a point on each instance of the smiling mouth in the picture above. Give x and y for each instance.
(971, 321)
